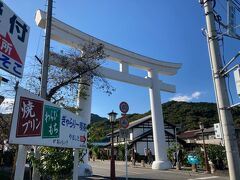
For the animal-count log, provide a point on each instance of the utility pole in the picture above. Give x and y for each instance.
(46, 51)
(45, 63)
(221, 93)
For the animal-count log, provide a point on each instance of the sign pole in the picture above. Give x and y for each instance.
(20, 163)
(75, 163)
(21, 159)
(44, 75)
(124, 125)
(125, 139)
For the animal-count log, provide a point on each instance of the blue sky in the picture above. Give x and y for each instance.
(164, 30)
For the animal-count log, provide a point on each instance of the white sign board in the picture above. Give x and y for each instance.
(218, 131)
(124, 133)
(36, 121)
(13, 41)
(237, 80)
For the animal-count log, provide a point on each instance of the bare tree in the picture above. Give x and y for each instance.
(66, 69)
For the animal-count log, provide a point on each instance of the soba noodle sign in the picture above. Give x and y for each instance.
(68, 35)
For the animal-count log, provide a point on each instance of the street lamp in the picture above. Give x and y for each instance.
(207, 168)
(177, 152)
(112, 119)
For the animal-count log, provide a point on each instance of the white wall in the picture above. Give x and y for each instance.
(139, 131)
(142, 145)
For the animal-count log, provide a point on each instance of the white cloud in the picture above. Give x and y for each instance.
(186, 98)
(7, 106)
(196, 94)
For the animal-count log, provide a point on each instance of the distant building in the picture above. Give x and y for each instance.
(194, 137)
(141, 136)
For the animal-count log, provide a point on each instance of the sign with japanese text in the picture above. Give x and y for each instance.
(14, 35)
(51, 122)
(29, 121)
(36, 121)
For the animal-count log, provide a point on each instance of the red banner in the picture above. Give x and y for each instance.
(29, 121)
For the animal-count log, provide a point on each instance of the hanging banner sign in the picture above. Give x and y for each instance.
(39, 122)
(14, 35)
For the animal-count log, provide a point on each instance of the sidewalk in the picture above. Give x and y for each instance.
(183, 169)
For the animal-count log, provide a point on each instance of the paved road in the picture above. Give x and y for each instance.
(101, 170)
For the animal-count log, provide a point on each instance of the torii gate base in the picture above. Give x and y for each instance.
(68, 35)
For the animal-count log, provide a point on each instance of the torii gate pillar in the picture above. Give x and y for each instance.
(161, 160)
(84, 110)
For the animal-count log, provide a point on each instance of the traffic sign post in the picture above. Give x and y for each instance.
(124, 132)
(124, 107)
(123, 123)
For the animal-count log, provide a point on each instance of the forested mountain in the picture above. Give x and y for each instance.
(188, 114)
(96, 118)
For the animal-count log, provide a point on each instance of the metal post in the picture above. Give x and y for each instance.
(75, 163)
(20, 163)
(44, 76)
(176, 141)
(112, 157)
(177, 163)
(125, 140)
(207, 168)
(221, 94)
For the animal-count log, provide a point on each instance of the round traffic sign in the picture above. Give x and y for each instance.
(123, 123)
(124, 107)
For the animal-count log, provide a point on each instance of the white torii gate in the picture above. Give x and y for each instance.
(68, 35)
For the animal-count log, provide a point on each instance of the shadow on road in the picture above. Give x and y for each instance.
(117, 178)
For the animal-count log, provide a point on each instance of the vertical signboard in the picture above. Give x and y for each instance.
(29, 117)
(51, 122)
(14, 35)
(38, 122)
(218, 131)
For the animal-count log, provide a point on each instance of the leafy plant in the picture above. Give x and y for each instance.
(121, 152)
(217, 155)
(54, 162)
(174, 148)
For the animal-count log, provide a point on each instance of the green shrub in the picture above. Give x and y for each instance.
(54, 162)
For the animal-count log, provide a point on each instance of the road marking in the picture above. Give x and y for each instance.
(209, 177)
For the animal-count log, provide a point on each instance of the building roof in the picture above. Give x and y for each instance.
(140, 121)
(189, 134)
(195, 133)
